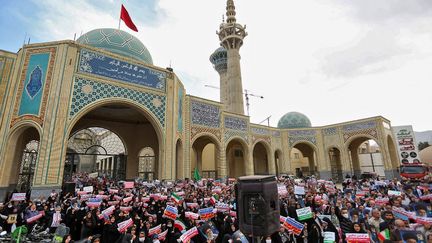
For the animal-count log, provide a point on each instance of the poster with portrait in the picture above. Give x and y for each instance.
(406, 144)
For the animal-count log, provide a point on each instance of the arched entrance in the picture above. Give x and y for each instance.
(135, 127)
(18, 167)
(204, 156)
(365, 155)
(236, 154)
(260, 159)
(179, 160)
(95, 149)
(303, 159)
(278, 161)
(335, 164)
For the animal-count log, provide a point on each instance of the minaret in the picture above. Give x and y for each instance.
(231, 36)
(219, 61)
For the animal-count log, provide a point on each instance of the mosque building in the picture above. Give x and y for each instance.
(99, 104)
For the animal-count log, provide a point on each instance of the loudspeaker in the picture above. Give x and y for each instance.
(69, 187)
(257, 205)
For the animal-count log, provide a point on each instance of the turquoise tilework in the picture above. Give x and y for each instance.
(34, 84)
(156, 104)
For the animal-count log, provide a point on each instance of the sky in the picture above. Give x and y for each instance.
(333, 60)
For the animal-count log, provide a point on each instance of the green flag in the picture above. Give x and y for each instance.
(196, 175)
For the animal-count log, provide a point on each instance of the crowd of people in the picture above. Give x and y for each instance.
(311, 210)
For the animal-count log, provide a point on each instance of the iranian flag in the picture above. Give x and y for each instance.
(214, 199)
(384, 235)
(179, 225)
(176, 198)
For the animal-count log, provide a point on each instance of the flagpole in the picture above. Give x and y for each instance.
(120, 16)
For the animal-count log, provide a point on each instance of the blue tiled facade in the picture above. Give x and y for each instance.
(156, 104)
(204, 114)
(359, 126)
(31, 96)
(235, 123)
(98, 64)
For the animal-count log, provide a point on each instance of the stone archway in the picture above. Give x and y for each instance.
(334, 156)
(303, 156)
(260, 159)
(179, 160)
(278, 161)
(365, 156)
(204, 157)
(136, 127)
(236, 157)
(17, 171)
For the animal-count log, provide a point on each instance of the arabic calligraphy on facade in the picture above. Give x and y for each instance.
(98, 64)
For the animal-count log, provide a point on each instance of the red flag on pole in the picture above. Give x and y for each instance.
(124, 15)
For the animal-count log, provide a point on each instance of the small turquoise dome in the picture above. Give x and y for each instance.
(117, 41)
(219, 59)
(294, 120)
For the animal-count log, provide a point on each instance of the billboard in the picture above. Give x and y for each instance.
(407, 144)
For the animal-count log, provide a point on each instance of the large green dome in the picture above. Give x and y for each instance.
(117, 41)
(294, 120)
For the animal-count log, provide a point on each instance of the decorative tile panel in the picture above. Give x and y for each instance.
(98, 64)
(302, 135)
(2, 64)
(195, 131)
(359, 126)
(259, 130)
(330, 131)
(180, 110)
(293, 140)
(235, 123)
(263, 138)
(233, 133)
(87, 91)
(370, 132)
(205, 114)
(276, 133)
(34, 85)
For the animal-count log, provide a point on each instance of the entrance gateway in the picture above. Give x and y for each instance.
(105, 84)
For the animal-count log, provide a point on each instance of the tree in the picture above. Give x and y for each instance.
(423, 145)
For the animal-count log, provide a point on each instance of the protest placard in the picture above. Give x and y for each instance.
(299, 190)
(329, 237)
(393, 193)
(170, 212)
(304, 213)
(185, 237)
(357, 238)
(293, 226)
(206, 213)
(282, 190)
(128, 184)
(18, 197)
(88, 189)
